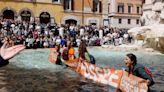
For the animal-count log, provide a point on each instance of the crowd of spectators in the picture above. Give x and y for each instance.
(37, 35)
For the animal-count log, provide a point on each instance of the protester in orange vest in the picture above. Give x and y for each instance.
(71, 51)
(11, 42)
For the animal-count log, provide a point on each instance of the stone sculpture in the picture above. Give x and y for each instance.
(152, 25)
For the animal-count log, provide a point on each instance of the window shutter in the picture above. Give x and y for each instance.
(93, 6)
(95, 3)
(64, 4)
(100, 6)
(72, 4)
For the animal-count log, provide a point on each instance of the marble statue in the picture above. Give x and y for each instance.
(152, 25)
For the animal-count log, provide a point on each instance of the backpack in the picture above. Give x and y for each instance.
(149, 73)
(92, 59)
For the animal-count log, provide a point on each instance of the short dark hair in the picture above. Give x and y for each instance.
(132, 57)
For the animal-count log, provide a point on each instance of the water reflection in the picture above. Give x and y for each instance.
(32, 72)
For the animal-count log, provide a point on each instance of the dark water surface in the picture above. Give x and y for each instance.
(31, 71)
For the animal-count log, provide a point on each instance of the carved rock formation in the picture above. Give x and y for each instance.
(152, 21)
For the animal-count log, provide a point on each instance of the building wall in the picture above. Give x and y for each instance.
(43, 1)
(56, 11)
(36, 8)
(83, 17)
(124, 23)
(105, 12)
(114, 4)
(88, 4)
(134, 3)
(78, 18)
(114, 15)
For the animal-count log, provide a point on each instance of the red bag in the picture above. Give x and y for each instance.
(148, 72)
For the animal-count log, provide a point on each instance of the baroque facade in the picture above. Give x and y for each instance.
(30, 9)
(83, 12)
(153, 12)
(125, 13)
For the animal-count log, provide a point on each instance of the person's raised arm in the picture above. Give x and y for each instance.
(8, 53)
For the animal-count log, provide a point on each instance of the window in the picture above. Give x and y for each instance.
(138, 9)
(100, 7)
(129, 9)
(137, 21)
(68, 4)
(25, 15)
(45, 17)
(56, 1)
(120, 8)
(119, 21)
(129, 21)
(95, 5)
(108, 8)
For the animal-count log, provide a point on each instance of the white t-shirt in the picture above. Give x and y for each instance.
(101, 34)
(120, 40)
(125, 36)
(78, 42)
(81, 31)
(61, 31)
(58, 41)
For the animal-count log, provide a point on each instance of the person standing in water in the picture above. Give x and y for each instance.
(71, 51)
(84, 54)
(58, 61)
(137, 69)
